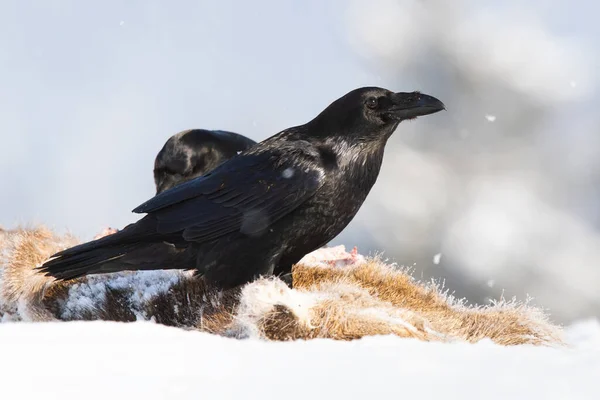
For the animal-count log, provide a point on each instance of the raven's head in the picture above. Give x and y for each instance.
(374, 112)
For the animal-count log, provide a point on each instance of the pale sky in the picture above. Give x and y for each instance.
(91, 92)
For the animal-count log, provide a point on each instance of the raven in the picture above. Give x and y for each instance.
(189, 154)
(261, 211)
(192, 153)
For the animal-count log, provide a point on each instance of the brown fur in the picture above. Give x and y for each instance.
(24, 249)
(116, 306)
(360, 299)
(507, 324)
(332, 319)
(191, 303)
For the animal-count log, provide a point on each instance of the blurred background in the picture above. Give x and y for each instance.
(498, 196)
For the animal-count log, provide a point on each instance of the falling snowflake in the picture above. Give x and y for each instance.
(437, 258)
(288, 173)
(490, 118)
(121, 23)
(491, 283)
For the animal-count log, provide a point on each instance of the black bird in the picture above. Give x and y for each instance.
(264, 209)
(192, 153)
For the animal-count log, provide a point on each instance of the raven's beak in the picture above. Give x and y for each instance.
(413, 105)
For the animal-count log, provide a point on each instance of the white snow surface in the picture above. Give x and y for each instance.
(144, 285)
(143, 360)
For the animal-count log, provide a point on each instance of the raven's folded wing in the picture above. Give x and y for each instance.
(247, 194)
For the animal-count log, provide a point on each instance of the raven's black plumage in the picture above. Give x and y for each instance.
(261, 211)
(192, 153)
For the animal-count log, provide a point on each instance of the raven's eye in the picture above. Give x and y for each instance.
(372, 102)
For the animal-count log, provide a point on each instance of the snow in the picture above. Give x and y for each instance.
(101, 359)
(288, 173)
(437, 258)
(142, 360)
(143, 286)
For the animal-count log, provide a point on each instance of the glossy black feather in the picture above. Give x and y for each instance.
(192, 153)
(247, 194)
(262, 210)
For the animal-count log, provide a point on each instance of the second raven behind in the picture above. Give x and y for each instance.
(194, 152)
(263, 210)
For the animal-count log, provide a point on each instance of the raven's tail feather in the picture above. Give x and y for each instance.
(131, 249)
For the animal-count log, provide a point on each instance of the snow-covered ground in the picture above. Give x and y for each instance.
(143, 360)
